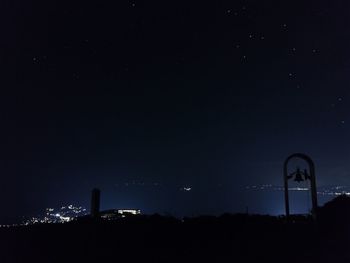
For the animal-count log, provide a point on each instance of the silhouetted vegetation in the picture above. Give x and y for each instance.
(155, 238)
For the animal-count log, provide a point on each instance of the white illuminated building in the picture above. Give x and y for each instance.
(119, 213)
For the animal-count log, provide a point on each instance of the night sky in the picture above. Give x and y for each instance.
(143, 98)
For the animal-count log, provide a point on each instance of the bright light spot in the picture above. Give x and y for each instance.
(129, 211)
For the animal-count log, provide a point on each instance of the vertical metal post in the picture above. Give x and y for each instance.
(286, 196)
(313, 190)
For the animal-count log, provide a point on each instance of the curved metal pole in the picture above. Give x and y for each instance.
(312, 179)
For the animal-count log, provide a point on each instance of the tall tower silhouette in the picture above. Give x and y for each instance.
(95, 203)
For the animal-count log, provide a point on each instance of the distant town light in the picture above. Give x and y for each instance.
(129, 211)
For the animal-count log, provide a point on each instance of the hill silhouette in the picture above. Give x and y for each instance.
(339, 207)
(156, 238)
(334, 217)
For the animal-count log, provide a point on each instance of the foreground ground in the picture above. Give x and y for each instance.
(238, 238)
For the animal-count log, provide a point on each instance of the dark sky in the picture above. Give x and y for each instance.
(167, 94)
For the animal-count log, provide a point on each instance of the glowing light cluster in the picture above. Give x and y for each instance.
(62, 215)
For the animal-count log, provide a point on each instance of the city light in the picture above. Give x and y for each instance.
(325, 190)
(63, 214)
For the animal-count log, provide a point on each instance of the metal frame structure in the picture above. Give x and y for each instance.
(308, 176)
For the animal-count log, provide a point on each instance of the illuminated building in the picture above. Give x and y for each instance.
(118, 213)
